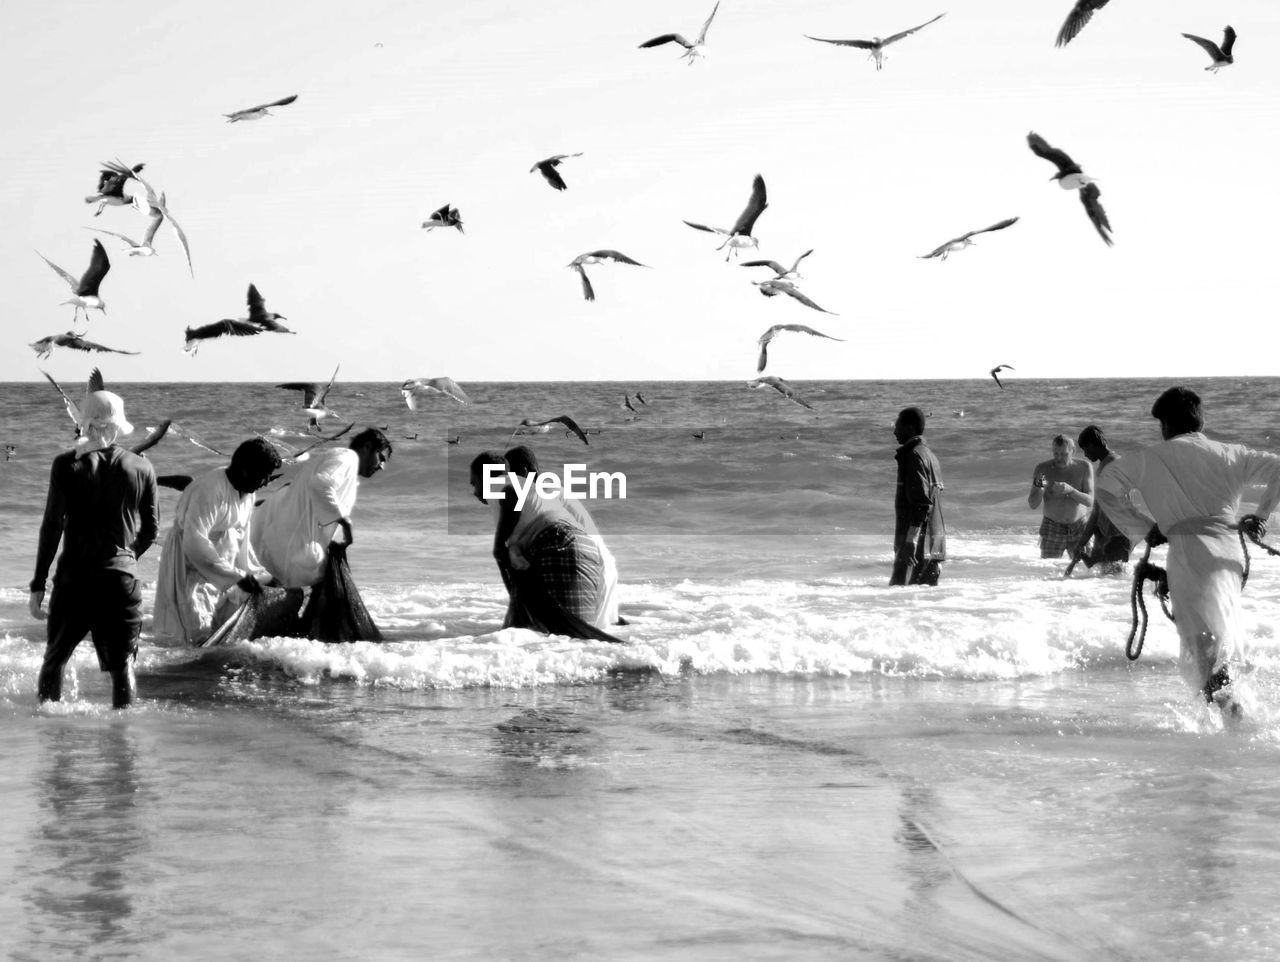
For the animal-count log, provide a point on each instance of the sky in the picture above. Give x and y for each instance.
(403, 107)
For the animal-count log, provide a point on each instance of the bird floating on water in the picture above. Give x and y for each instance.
(548, 170)
(777, 329)
(446, 216)
(313, 397)
(692, 51)
(1221, 55)
(772, 288)
(44, 347)
(876, 45)
(417, 388)
(1080, 15)
(598, 257)
(160, 213)
(84, 292)
(1070, 176)
(995, 376)
(542, 427)
(782, 387)
(781, 273)
(739, 235)
(111, 180)
(965, 240)
(260, 111)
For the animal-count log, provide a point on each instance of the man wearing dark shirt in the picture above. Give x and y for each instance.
(102, 506)
(919, 534)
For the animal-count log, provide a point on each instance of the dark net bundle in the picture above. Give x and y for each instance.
(271, 614)
(335, 610)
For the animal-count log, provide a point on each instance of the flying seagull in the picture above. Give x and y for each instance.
(995, 376)
(44, 347)
(876, 44)
(95, 383)
(111, 180)
(564, 419)
(963, 241)
(418, 388)
(1070, 176)
(84, 292)
(598, 257)
(260, 111)
(159, 213)
(773, 288)
(313, 396)
(739, 235)
(1080, 14)
(777, 329)
(227, 328)
(259, 315)
(1221, 56)
(692, 51)
(782, 387)
(446, 216)
(548, 169)
(781, 273)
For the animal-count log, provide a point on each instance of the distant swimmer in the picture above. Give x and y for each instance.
(995, 376)
(775, 287)
(598, 257)
(1071, 176)
(446, 216)
(781, 273)
(626, 402)
(1220, 55)
(44, 347)
(692, 51)
(84, 292)
(416, 389)
(260, 111)
(313, 398)
(966, 240)
(547, 168)
(782, 387)
(777, 329)
(534, 426)
(111, 180)
(876, 45)
(1080, 15)
(739, 236)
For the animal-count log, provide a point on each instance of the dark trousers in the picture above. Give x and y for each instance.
(105, 604)
(915, 573)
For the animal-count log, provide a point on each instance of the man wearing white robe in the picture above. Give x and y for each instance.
(1192, 488)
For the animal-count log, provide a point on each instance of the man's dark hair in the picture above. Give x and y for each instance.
(371, 438)
(1179, 410)
(1092, 436)
(912, 419)
(487, 457)
(254, 458)
(521, 460)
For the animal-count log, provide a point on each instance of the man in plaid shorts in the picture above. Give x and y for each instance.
(1063, 486)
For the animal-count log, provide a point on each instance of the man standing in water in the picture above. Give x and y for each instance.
(1065, 488)
(1192, 487)
(102, 498)
(1110, 545)
(919, 534)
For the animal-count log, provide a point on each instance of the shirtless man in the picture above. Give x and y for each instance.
(1064, 487)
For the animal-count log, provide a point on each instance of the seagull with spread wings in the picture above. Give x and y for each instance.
(260, 111)
(564, 419)
(111, 180)
(259, 321)
(44, 347)
(1070, 176)
(1080, 15)
(446, 216)
(1221, 55)
(876, 45)
(774, 287)
(965, 240)
(598, 257)
(739, 236)
(418, 388)
(781, 273)
(692, 51)
(777, 329)
(313, 397)
(159, 214)
(782, 387)
(548, 170)
(995, 375)
(84, 292)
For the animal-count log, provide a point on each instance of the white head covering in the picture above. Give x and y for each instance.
(101, 410)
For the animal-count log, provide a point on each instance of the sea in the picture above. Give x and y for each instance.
(784, 760)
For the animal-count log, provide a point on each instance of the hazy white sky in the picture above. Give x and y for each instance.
(320, 204)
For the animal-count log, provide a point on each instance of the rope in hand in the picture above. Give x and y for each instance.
(1256, 529)
(1143, 572)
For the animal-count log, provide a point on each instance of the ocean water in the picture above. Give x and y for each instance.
(786, 760)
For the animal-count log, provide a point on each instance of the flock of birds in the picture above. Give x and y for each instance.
(116, 177)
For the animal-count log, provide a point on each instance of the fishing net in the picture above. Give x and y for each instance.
(271, 614)
(335, 611)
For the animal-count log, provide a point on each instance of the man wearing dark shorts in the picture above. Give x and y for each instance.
(102, 506)
(1064, 486)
